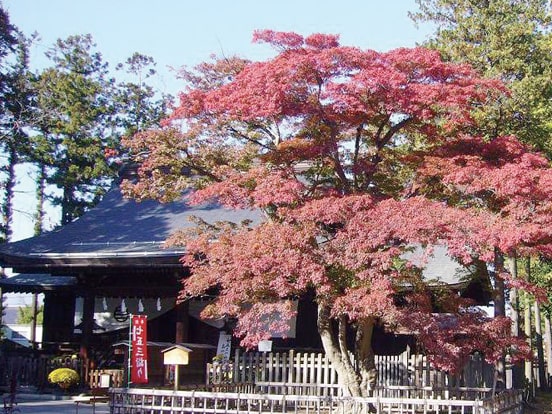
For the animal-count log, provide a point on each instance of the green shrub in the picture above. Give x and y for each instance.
(64, 377)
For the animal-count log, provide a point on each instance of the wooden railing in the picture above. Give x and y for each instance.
(32, 369)
(116, 378)
(149, 401)
(315, 368)
(389, 391)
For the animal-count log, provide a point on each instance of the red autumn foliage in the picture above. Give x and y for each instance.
(356, 156)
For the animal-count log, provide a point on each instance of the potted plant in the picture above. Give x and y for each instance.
(65, 378)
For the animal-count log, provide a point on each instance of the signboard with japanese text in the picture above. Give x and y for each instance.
(139, 349)
(224, 345)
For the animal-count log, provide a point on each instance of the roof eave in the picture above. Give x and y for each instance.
(47, 261)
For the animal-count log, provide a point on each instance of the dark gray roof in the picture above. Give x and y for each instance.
(125, 232)
(37, 283)
(117, 231)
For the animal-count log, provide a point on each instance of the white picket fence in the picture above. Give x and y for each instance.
(296, 370)
(306, 383)
(151, 401)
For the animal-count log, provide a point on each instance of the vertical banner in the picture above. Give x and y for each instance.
(224, 345)
(139, 349)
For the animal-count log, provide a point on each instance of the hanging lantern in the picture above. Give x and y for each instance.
(140, 306)
(119, 314)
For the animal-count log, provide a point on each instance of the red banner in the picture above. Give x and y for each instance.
(139, 354)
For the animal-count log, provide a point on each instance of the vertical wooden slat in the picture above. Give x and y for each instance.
(276, 373)
(244, 360)
(312, 376)
(285, 368)
(265, 368)
(305, 368)
(236, 366)
(328, 374)
(291, 361)
(254, 366)
(319, 379)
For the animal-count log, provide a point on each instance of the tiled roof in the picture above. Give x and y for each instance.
(37, 283)
(118, 229)
(125, 232)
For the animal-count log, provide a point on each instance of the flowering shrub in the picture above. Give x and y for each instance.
(64, 377)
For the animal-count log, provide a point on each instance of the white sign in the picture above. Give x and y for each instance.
(265, 346)
(224, 345)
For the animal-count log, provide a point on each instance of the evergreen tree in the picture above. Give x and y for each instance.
(138, 103)
(8, 37)
(8, 42)
(18, 112)
(76, 124)
(15, 110)
(508, 39)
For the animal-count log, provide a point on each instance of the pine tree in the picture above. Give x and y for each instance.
(505, 39)
(76, 123)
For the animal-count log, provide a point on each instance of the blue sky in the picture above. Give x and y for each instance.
(177, 33)
(180, 32)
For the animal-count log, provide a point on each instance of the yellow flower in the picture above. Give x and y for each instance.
(64, 377)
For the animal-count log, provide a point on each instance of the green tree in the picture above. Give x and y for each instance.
(8, 37)
(8, 42)
(76, 124)
(139, 105)
(508, 39)
(25, 314)
(15, 112)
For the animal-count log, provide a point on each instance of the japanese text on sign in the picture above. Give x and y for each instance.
(139, 353)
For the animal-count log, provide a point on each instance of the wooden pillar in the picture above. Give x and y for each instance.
(513, 371)
(527, 329)
(499, 299)
(540, 347)
(514, 299)
(87, 332)
(548, 347)
(34, 308)
(182, 322)
(528, 332)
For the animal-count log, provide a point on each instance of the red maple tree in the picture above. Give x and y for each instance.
(355, 156)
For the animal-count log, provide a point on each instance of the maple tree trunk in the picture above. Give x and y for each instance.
(334, 342)
(365, 354)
